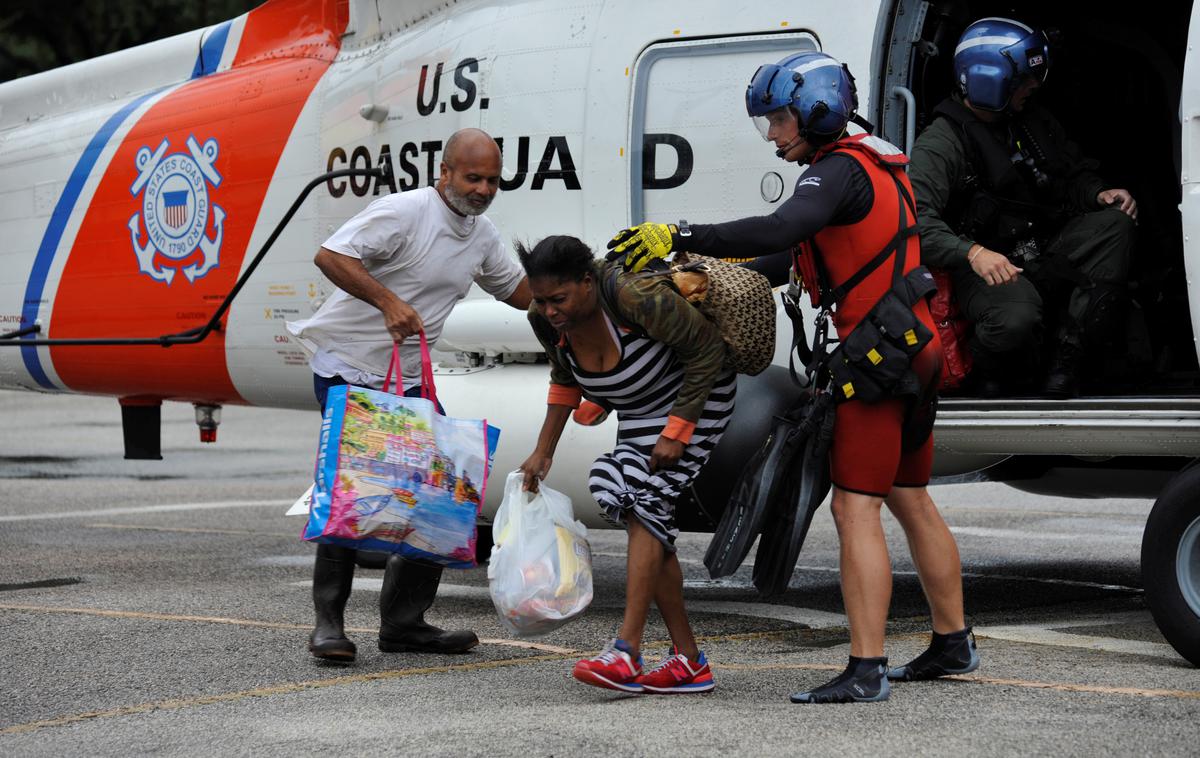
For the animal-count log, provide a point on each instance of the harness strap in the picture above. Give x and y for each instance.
(813, 358)
(609, 287)
(830, 297)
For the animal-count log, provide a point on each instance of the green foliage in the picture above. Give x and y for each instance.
(37, 35)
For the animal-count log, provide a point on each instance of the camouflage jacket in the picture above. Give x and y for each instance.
(653, 306)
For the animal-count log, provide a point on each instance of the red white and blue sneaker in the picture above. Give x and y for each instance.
(614, 668)
(677, 675)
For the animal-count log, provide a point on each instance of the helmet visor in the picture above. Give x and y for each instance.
(777, 119)
(1030, 55)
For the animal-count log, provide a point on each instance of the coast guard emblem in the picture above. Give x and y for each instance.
(176, 211)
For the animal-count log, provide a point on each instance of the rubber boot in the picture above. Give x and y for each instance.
(371, 559)
(333, 574)
(409, 588)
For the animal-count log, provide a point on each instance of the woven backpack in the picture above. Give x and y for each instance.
(737, 300)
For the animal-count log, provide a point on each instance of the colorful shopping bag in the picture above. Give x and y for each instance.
(394, 474)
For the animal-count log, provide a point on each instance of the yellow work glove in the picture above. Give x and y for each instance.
(642, 244)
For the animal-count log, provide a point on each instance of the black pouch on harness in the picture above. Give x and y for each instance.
(866, 366)
(872, 363)
(898, 324)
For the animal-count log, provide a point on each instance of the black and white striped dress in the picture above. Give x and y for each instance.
(642, 388)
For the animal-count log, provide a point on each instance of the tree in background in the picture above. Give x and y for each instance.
(37, 35)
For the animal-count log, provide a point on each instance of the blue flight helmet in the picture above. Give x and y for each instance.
(817, 87)
(992, 57)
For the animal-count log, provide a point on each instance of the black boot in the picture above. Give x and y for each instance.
(986, 379)
(1062, 381)
(333, 574)
(947, 655)
(409, 588)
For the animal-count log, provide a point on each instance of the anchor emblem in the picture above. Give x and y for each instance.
(175, 210)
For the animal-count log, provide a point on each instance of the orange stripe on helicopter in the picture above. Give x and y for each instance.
(166, 233)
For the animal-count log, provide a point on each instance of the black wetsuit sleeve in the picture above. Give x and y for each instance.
(834, 191)
(775, 267)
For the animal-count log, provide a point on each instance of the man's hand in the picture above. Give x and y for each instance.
(350, 275)
(642, 244)
(1119, 199)
(535, 469)
(994, 268)
(667, 453)
(401, 320)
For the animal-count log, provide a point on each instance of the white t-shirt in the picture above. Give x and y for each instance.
(425, 253)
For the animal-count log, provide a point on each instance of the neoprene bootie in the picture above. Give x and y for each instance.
(409, 588)
(333, 575)
(864, 681)
(947, 654)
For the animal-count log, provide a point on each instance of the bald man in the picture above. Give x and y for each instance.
(400, 266)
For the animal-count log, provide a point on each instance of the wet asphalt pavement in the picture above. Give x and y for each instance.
(163, 607)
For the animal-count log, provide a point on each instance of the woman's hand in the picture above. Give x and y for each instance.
(535, 469)
(667, 453)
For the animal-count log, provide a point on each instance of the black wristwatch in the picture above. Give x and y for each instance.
(684, 229)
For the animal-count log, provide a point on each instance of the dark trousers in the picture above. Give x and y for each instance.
(1009, 318)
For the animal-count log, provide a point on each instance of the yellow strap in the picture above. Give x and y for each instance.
(910, 337)
(874, 356)
(848, 389)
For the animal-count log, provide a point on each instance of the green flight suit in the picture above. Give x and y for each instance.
(1008, 318)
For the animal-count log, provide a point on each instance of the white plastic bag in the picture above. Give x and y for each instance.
(540, 574)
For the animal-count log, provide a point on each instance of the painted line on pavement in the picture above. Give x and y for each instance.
(557, 655)
(778, 666)
(809, 617)
(375, 584)
(1030, 534)
(147, 509)
(732, 582)
(1089, 688)
(192, 530)
(1119, 617)
(1041, 635)
(804, 616)
(1047, 580)
(622, 556)
(1095, 689)
(150, 616)
(1023, 512)
(282, 689)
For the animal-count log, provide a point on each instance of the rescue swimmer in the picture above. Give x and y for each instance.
(851, 224)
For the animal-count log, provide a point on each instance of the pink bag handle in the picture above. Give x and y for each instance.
(428, 390)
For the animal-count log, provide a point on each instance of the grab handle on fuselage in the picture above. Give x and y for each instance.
(910, 116)
(198, 334)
